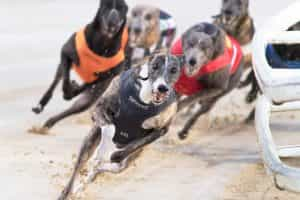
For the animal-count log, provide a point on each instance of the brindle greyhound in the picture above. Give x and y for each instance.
(151, 29)
(103, 39)
(136, 110)
(236, 21)
(213, 67)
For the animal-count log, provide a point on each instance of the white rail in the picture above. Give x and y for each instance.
(285, 177)
(280, 86)
(284, 37)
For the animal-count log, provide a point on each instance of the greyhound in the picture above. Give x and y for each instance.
(213, 67)
(236, 21)
(96, 53)
(151, 29)
(136, 110)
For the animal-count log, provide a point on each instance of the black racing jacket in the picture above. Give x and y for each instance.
(133, 112)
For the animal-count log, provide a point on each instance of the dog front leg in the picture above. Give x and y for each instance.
(89, 145)
(136, 145)
(48, 95)
(205, 107)
(202, 96)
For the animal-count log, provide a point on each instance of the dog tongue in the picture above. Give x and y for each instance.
(159, 97)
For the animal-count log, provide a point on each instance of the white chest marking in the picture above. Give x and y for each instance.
(146, 87)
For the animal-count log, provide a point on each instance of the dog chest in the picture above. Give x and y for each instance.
(92, 64)
(133, 112)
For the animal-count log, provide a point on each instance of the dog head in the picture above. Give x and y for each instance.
(232, 12)
(157, 78)
(144, 26)
(111, 17)
(201, 44)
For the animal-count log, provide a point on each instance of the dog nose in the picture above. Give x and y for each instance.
(137, 30)
(193, 62)
(163, 89)
(228, 12)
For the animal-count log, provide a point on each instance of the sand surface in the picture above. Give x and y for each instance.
(220, 159)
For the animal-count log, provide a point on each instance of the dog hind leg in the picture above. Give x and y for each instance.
(247, 81)
(252, 95)
(82, 104)
(86, 151)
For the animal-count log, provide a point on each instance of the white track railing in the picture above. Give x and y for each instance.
(278, 86)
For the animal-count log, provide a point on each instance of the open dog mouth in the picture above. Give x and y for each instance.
(136, 40)
(159, 98)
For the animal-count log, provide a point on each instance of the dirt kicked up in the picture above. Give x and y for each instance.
(219, 161)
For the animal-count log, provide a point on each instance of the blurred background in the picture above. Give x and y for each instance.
(32, 32)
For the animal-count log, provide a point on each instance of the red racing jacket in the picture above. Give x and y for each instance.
(191, 85)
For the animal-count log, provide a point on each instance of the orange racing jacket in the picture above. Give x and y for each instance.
(90, 63)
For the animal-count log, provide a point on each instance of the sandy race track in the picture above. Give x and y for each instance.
(219, 161)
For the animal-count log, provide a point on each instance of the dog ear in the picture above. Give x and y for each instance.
(181, 59)
(210, 29)
(152, 56)
(219, 38)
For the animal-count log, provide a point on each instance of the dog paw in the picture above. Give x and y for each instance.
(38, 109)
(182, 135)
(242, 84)
(118, 157)
(68, 96)
(64, 195)
(251, 97)
(49, 124)
(250, 119)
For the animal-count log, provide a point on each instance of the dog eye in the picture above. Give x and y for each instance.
(191, 44)
(148, 17)
(155, 66)
(173, 70)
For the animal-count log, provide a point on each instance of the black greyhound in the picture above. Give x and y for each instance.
(104, 38)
